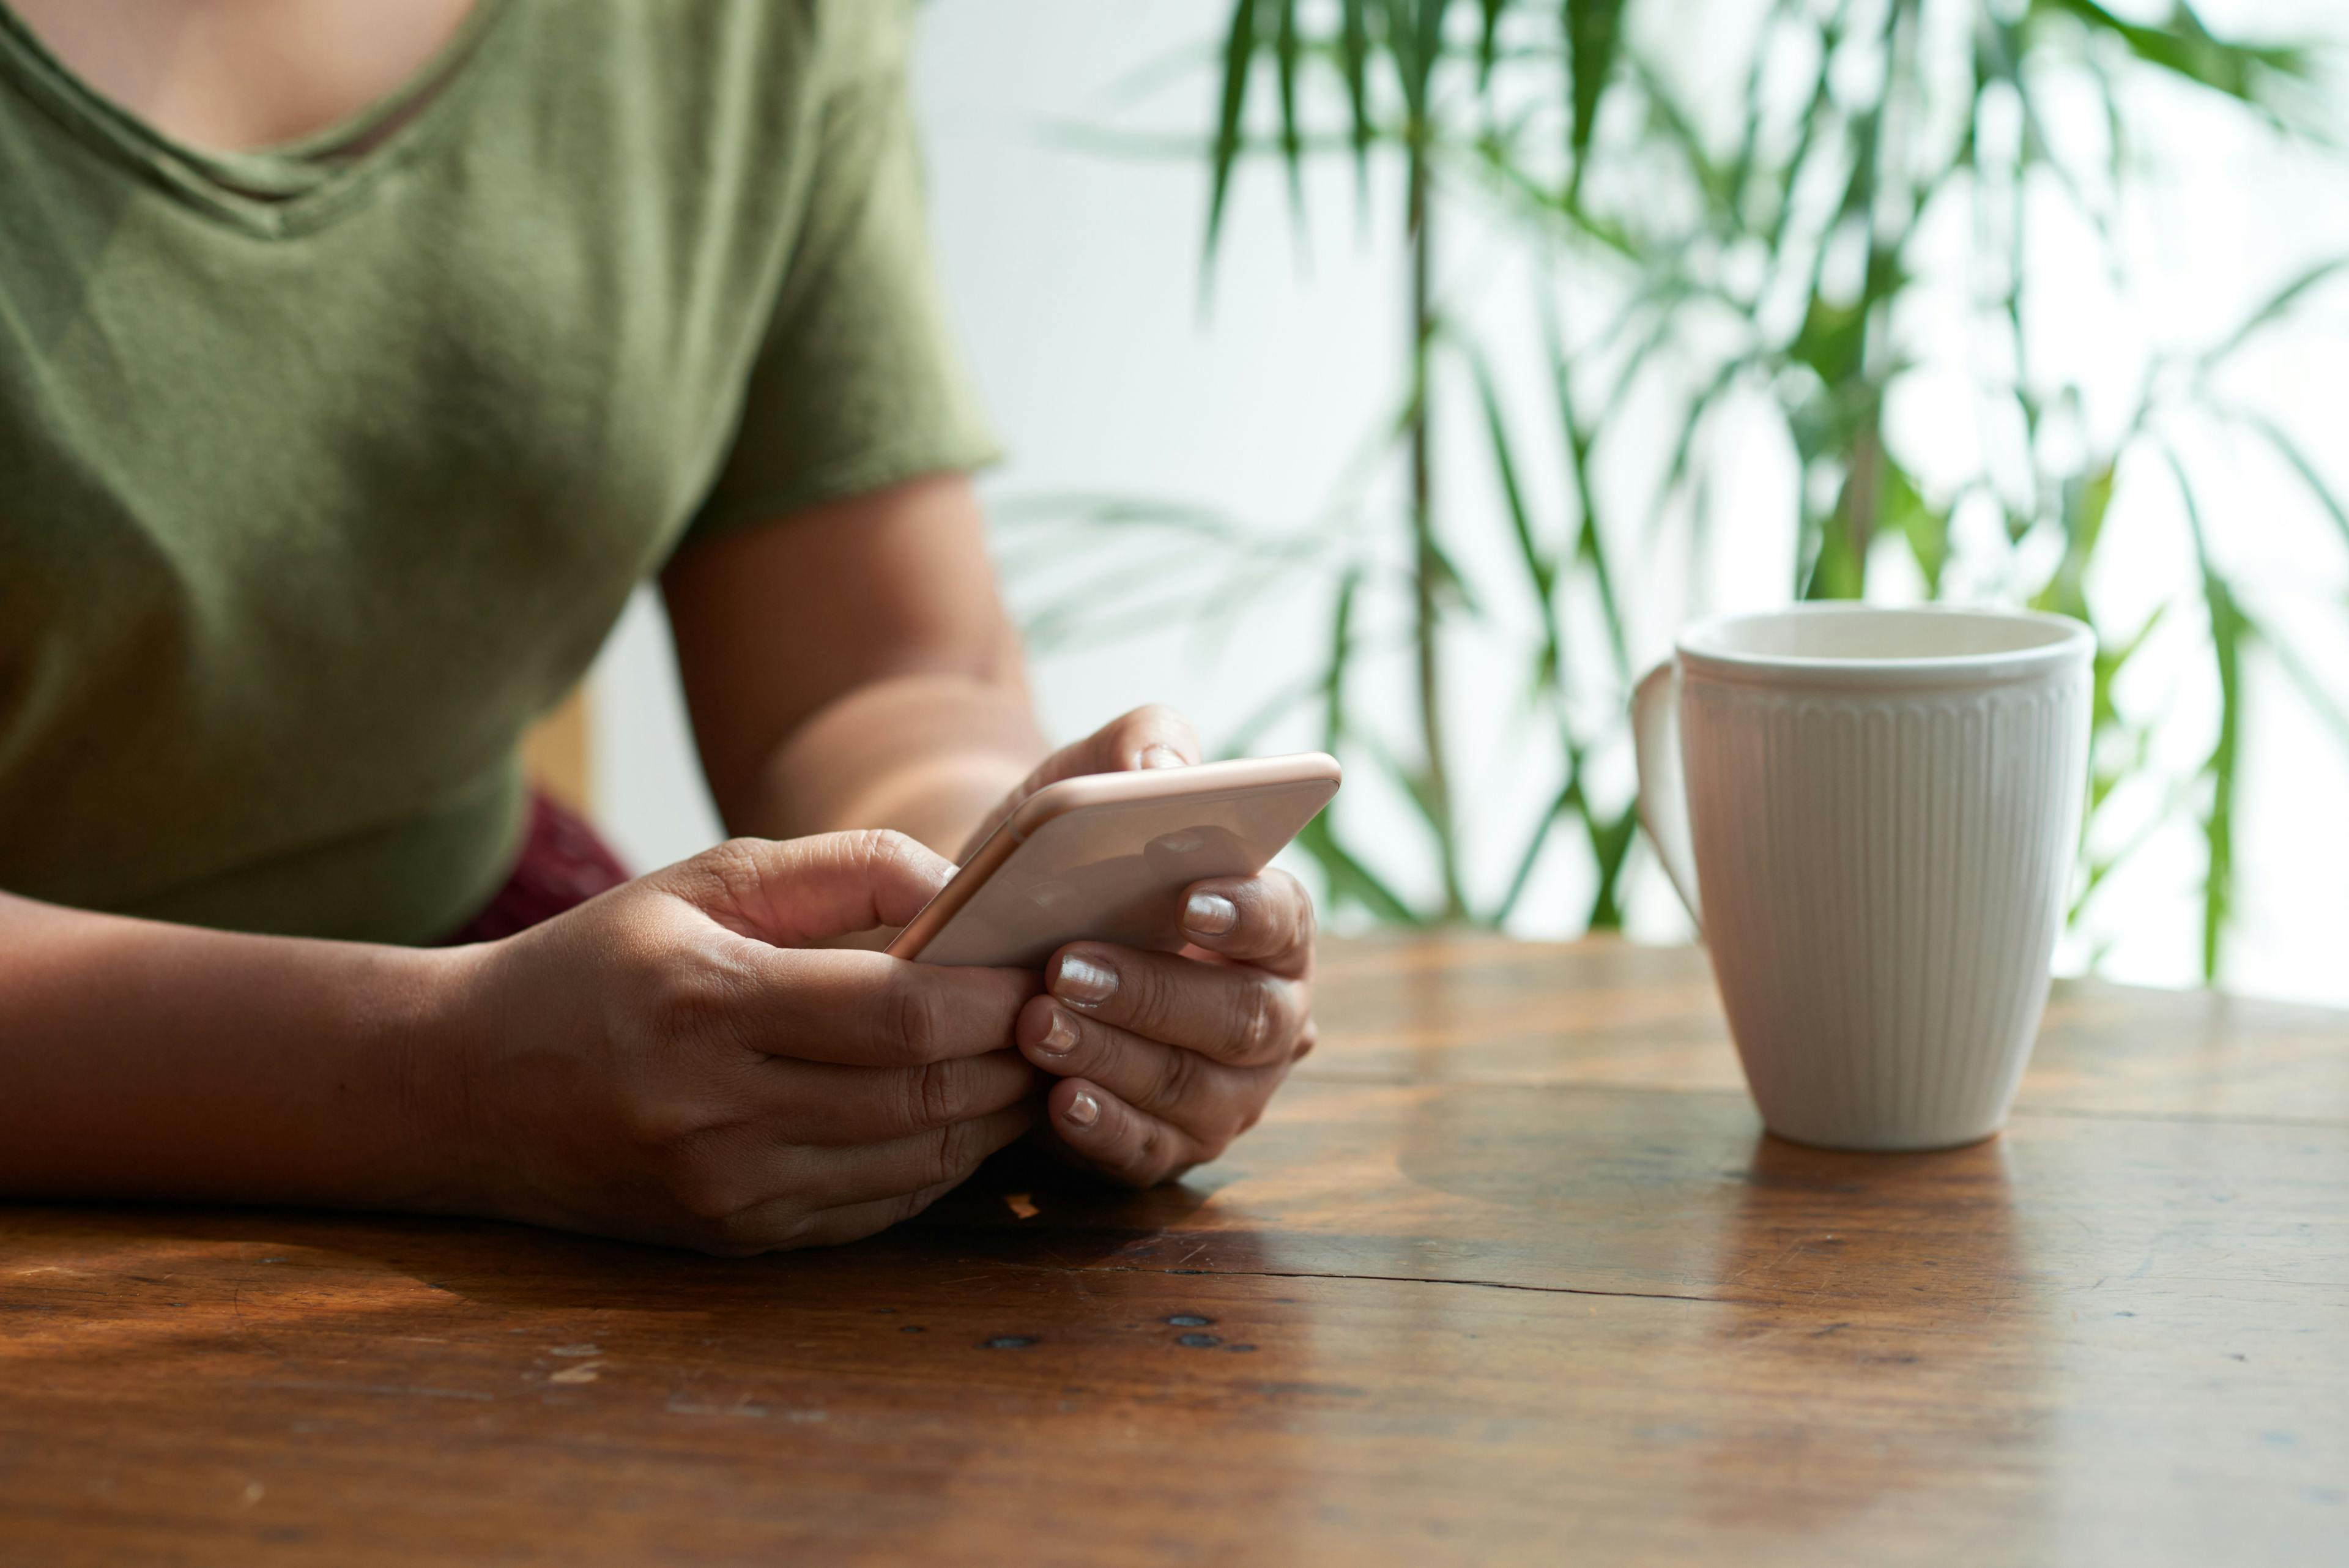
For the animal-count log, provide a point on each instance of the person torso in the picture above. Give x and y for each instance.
(320, 475)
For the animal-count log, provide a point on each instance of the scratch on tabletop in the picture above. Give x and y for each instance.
(1425, 1279)
(583, 1373)
(326, 1386)
(680, 1405)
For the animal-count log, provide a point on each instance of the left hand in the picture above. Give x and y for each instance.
(1164, 1058)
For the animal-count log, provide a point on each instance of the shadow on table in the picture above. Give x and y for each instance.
(1020, 1210)
(1891, 1340)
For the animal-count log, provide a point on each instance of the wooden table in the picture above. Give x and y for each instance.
(1509, 1274)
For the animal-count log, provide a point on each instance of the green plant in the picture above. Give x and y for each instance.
(1764, 251)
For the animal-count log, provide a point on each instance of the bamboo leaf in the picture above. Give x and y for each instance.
(1488, 40)
(2183, 46)
(2289, 450)
(1927, 529)
(1592, 30)
(1354, 56)
(2281, 301)
(2312, 688)
(1292, 136)
(2087, 499)
(1426, 53)
(2227, 626)
(1449, 580)
(1540, 572)
(1239, 56)
(1611, 844)
(1350, 879)
(1334, 727)
(1568, 797)
(1589, 545)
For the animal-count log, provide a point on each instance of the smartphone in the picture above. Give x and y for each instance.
(1108, 856)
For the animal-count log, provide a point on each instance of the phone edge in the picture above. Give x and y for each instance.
(1087, 790)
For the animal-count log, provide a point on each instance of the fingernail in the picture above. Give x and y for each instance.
(1083, 1110)
(1060, 1035)
(1211, 914)
(1159, 754)
(1085, 981)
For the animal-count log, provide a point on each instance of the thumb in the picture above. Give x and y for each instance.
(793, 891)
(1151, 736)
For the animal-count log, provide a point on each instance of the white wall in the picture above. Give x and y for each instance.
(1075, 276)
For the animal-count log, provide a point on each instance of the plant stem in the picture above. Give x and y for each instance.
(1427, 566)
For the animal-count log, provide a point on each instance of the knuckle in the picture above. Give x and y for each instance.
(930, 1094)
(1178, 1078)
(702, 1189)
(1231, 1118)
(878, 849)
(1151, 1159)
(729, 873)
(1261, 1022)
(689, 997)
(954, 1152)
(1302, 922)
(660, 1124)
(917, 1021)
(1144, 992)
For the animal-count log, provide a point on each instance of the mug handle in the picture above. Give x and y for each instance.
(1663, 788)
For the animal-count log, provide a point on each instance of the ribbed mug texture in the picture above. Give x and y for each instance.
(1883, 875)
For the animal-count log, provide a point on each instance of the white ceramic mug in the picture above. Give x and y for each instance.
(1872, 816)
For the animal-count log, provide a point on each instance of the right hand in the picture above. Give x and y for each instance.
(669, 1063)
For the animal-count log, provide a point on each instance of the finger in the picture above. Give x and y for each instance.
(860, 1009)
(1153, 736)
(1235, 1012)
(792, 891)
(1212, 1101)
(825, 1104)
(817, 1179)
(1113, 1138)
(1264, 920)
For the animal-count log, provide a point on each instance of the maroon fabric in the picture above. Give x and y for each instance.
(564, 864)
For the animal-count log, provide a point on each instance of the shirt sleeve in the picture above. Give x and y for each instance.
(859, 383)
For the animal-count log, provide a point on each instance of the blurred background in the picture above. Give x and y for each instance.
(1397, 377)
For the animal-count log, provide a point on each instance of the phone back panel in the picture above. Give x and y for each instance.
(1115, 872)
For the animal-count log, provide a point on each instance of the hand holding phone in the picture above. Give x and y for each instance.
(1108, 856)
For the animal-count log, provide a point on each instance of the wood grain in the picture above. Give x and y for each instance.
(1508, 1275)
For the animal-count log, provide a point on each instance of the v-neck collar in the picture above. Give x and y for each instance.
(277, 192)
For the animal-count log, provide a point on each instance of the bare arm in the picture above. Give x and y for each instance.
(672, 1062)
(143, 1059)
(675, 1061)
(853, 667)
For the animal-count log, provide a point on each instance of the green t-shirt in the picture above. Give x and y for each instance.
(323, 471)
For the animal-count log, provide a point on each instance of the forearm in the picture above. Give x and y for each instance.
(145, 1059)
(928, 755)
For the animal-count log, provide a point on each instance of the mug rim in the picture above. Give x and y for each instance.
(2076, 642)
